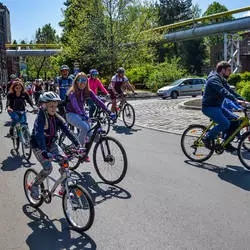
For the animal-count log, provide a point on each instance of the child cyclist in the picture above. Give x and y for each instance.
(44, 136)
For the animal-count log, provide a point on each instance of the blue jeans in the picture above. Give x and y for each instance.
(17, 117)
(221, 117)
(76, 121)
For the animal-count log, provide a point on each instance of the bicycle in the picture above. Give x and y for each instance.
(191, 141)
(21, 134)
(74, 198)
(124, 108)
(103, 154)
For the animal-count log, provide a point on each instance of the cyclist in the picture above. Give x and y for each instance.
(37, 90)
(63, 83)
(75, 112)
(44, 136)
(119, 83)
(216, 90)
(94, 84)
(16, 102)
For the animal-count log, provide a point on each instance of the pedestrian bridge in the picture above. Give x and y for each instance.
(22, 50)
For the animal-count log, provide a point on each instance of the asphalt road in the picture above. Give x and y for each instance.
(164, 202)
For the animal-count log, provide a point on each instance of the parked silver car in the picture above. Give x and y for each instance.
(182, 87)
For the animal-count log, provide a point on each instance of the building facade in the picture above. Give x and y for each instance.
(5, 37)
(217, 53)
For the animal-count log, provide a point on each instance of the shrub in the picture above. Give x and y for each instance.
(245, 92)
(234, 79)
(245, 76)
(239, 86)
(165, 73)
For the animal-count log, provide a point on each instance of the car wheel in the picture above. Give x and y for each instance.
(174, 95)
(164, 97)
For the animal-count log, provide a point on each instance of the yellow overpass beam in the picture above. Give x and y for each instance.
(195, 20)
(8, 46)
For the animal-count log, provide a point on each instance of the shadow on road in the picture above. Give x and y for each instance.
(235, 175)
(100, 191)
(14, 162)
(46, 233)
(121, 129)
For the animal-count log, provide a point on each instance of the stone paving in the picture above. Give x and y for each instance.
(166, 115)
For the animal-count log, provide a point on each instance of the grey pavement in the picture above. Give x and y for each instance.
(164, 202)
(166, 115)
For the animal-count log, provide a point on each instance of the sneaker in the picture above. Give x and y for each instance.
(84, 159)
(230, 148)
(61, 190)
(207, 142)
(34, 192)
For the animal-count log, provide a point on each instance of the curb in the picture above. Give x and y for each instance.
(184, 106)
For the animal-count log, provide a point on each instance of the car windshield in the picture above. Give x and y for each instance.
(176, 82)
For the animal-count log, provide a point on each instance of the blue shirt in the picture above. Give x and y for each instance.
(64, 85)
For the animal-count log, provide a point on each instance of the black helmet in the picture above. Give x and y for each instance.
(64, 67)
(49, 96)
(120, 70)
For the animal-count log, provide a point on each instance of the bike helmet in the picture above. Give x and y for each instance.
(12, 76)
(49, 96)
(120, 70)
(93, 72)
(63, 67)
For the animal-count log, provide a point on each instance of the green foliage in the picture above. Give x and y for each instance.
(165, 73)
(245, 92)
(234, 79)
(215, 8)
(245, 76)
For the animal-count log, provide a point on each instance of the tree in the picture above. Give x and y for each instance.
(215, 8)
(41, 65)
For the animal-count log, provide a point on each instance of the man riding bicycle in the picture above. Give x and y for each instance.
(216, 90)
(119, 82)
(63, 83)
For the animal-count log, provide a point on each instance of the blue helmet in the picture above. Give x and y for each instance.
(93, 72)
(120, 70)
(63, 67)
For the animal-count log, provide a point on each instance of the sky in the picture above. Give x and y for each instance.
(26, 16)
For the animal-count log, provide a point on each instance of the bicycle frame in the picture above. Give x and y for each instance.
(244, 123)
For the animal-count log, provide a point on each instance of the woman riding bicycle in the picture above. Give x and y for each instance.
(16, 102)
(119, 82)
(216, 90)
(44, 136)
(94, 84)
(75, 112)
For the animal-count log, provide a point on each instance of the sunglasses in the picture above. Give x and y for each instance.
(82, 80)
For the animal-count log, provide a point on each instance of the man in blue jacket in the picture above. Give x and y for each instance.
(216, 90)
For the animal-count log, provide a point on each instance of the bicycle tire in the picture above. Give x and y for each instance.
(126, 107)
(15, 139)
(244, 150)
(1, 106)
(184, 149)
(26, 156)
(110, 159)
(79, 192)
(104, 119)
(34, 203)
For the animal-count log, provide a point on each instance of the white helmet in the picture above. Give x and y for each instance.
(49, 96)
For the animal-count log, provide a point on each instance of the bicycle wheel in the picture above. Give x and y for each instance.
(128, 115)
(110, 160)
(74, 161)
(192, 146)
(244, 151)
(1, 106)
(105, 121)
(78, 208)
(15, 139)
(26, 147)
(28, 180)
(246, 144)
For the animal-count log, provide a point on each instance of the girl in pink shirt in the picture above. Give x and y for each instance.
(94, 84)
